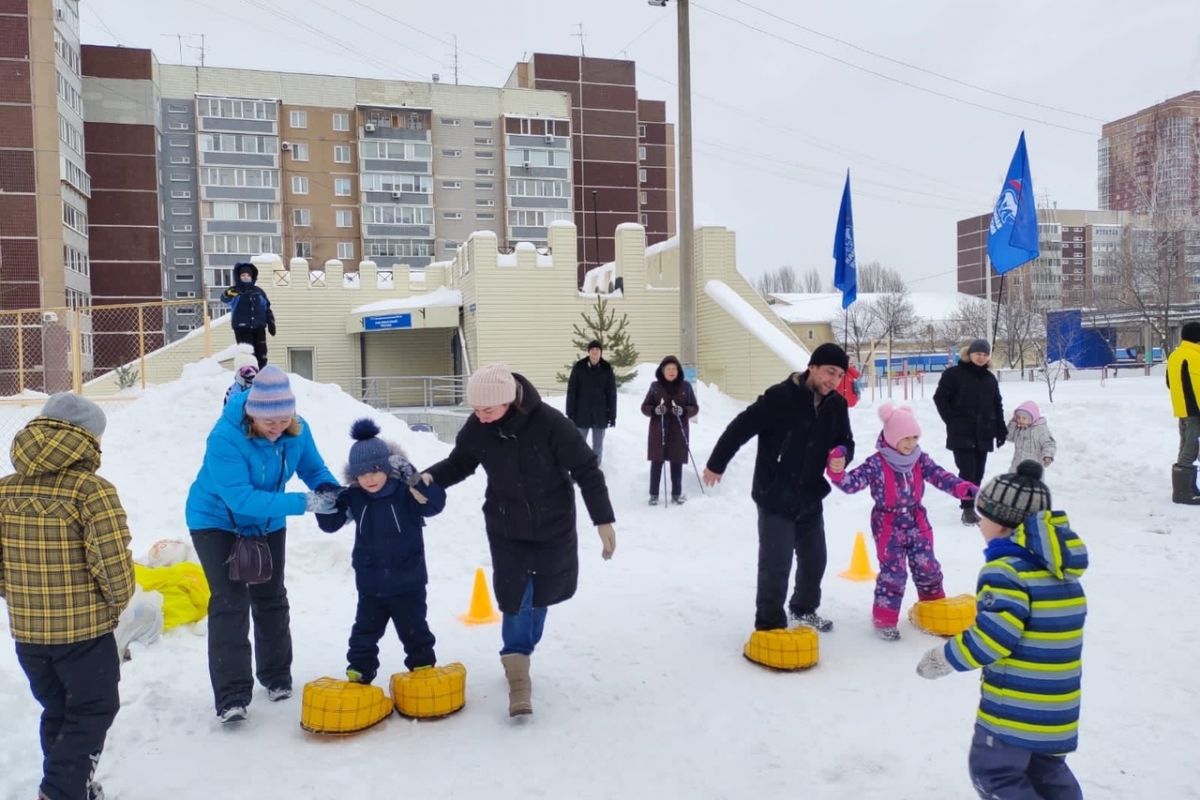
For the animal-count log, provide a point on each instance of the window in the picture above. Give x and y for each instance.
(397, 248)
(642, 198)
(415, 123)
(452, 153)
(300, 361)
(236, 176)
(185, 262)
(173, 108)
(180, 211)
(451, 121)
(75, 260)
(179, 177)
(184, 244)
(396, 151)
(237, 143)
(396, 182)
(341, 187)
(345, 250)
(181, 229)
(483, 123)
(235, 109)
(343, 217)
(484, 186)
(398, 215)
(641, 131)
(298, 119)
(531, 187)
(536, 219)
(485, 153)
(74, 218)
(181, 194)
(451, 184)
(300, 151)
(341, 154)
(303, 249)
(180, 141)
(643, 220)
(241, 243)
(178, 126)
(181, 159)
(641, 152)
(185, 277)
(484, 202)
(538, 157)
(484, 141)
(484, 172)
(183, 295)
(299, 184)
(451, 215)
(641, 174)
(301, 217)
(341, 121)
(232, 209)
(484, 216)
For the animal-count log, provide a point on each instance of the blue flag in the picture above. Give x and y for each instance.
(845, 272)
(1013, 234)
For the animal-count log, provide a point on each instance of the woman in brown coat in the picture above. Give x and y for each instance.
(669, 404)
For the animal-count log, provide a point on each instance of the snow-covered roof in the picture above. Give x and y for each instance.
(510, 259)
(792, 353)
(598, 278)
(827, 306)
(439, 297)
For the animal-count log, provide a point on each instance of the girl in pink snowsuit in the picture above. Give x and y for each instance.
(896, 474)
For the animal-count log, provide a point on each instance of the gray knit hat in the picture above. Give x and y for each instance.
(979, 346)
(72, 408)
(369, 453)
(1009, 499)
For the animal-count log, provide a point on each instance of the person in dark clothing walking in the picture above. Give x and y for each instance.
(798, 422)
(968, 401)
(533, 457)
(592, 396)
(670, 404)
(250, 311)
(66, 574)
(388, 511)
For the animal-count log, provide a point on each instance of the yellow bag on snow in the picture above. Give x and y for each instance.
(183, 587)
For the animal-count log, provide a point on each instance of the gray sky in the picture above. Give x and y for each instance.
(776, 125)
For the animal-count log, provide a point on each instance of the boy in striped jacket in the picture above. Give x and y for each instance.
(1028, 639)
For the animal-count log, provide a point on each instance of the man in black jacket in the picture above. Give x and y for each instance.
(797, 422)
(592, 397)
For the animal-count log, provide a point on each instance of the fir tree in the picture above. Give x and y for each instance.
(605, 328)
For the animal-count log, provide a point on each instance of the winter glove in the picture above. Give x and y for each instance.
(321, 502)
(608, 538)
(231, 292)
(403, 469)
(965, 491)
(661, 408)
(677, 410)
(835, 465)
(934, 664)
(271, 327)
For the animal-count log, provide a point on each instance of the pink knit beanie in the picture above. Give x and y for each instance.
(492, 385)
(898, 423)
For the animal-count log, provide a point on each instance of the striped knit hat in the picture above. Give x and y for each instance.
(1009, 499)
(271, 395)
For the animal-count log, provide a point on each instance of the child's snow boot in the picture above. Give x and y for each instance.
(891, 634)
(520, 687)
(1183, 485)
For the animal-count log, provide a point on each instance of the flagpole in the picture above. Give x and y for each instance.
(987, 281)
(999, 305)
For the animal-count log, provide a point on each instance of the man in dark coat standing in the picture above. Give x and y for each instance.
(797, 422)
(250, 312)
(533, 458)
(592, 397)
(968, 401)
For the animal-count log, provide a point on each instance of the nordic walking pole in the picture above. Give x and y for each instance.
(688, 446)
(662, 426)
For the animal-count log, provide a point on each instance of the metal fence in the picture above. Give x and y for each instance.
(424, 392)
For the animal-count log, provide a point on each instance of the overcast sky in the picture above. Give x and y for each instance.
(776, 123)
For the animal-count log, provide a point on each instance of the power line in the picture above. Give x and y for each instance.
(890, 78)
(906, 64)
(435, 37)
(658, 18)
(92, 7)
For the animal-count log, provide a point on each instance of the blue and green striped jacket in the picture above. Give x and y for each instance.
(1028, 635)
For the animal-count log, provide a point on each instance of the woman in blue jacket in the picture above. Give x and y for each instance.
(256, 446)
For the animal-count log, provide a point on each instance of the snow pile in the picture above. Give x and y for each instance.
(640, 689)
(782, 345)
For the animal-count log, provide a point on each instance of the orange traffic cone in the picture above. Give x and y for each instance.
(481, 611)
(860, 564)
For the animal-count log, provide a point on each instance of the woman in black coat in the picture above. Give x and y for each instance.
(533, 457)
(968, 401)
(670, 404)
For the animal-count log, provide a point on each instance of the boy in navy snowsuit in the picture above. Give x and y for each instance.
(250, 311)
(387, 503)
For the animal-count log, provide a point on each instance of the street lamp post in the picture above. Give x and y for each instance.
(687, 225)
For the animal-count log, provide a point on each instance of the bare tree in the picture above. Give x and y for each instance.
(894, 317)
(967, 322)
(875, 278)
(811, 281)
(781, 281)
(858, 328)
(1058, 342)
(1021, 324)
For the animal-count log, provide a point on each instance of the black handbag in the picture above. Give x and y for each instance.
(250, 560)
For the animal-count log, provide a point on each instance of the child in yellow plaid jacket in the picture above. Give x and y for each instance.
(66, 574)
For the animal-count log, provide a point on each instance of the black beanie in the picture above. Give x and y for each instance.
(596, 344)
(829, 354)
(1190, 332)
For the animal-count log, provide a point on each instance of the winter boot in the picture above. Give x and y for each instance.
(520, 687)
(969, 517)
(678, 499)
(279, 693)
(1183, 484)
(891, 634)
(813, 620)
(235, 713)
(653, 499)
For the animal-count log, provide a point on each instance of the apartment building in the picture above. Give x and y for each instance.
(1147, 162)
(320, 183)
(623, 150)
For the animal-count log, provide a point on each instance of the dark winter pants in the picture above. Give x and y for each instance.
(1189, 441)
(76, 685)
(894, 546)
(778, 537)
(230, 610)
(656, 478)
(256, 338)
(1001, 771)
(522, 631)
(407, 613)
(597, 440)
(971, 463)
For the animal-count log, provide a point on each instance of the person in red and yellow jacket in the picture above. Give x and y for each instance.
(849, 387)
(1183, 379)
(66, 574)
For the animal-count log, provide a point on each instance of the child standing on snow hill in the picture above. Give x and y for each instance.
(1030, 436)
(245, 368)
(387, 502)
(1028, 638)
(250, 311)
(896, 473)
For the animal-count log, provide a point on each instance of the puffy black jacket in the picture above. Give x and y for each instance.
(248, 304)
(533, 457)
(968, 401)
(794, 440)
(592, 394)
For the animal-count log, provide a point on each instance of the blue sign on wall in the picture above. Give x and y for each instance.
(387, 322)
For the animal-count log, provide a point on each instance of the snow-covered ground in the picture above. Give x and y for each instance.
(640, 688)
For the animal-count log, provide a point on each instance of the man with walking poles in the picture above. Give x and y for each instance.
(797, 422)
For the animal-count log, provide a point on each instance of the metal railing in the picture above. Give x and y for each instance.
(424, 392)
